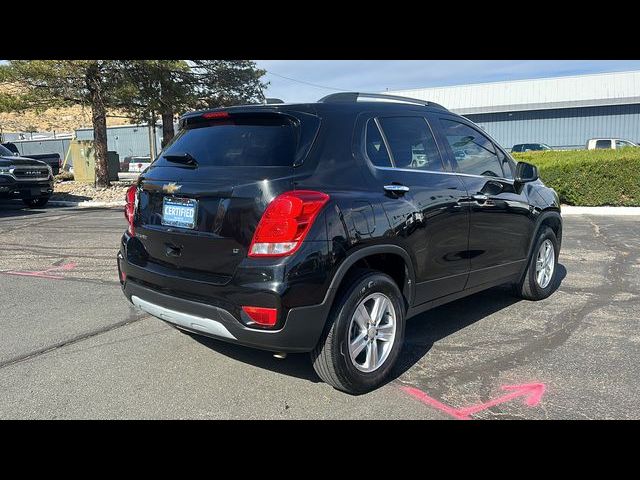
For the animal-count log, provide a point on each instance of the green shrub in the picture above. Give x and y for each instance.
(590, 177)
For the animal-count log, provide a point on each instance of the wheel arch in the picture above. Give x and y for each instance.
(372, 256)
(550, 217)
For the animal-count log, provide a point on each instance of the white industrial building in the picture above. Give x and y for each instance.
(563, 112)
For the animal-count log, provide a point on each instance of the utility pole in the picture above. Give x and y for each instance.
(152, 142)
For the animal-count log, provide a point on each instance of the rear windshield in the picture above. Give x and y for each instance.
(237, 144)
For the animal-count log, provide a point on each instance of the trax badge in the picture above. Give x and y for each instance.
(171, 187)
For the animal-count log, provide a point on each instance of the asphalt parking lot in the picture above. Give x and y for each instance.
(73, 347)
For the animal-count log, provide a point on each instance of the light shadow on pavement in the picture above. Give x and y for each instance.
(421, 333)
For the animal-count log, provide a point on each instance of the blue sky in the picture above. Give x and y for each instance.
(378, 75)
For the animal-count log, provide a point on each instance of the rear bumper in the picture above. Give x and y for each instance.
(216, 310)
(300, 332)
(10, 188)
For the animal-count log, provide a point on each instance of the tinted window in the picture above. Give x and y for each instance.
(5, 152)
(506, 165)
(269, 143)
(376, 149)
(411, 143)
(603, 143)
(517, 148)
(623, 143)
(474, 153)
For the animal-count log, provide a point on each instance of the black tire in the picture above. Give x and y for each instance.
(528, 287)
(331, 359)
(35, 202)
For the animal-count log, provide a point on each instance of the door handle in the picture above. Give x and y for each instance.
(397, 189)
(480, 198)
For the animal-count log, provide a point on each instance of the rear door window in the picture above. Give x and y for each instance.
(411, 143)
(238, 143)
(603, 143)
(474, 153)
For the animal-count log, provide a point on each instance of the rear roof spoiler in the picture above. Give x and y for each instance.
(352, 97)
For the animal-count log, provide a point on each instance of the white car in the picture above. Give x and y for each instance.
(137, 166)
(608, 144)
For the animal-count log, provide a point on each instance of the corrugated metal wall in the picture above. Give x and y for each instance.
(612, 88)
(17, 136)
(127, 140)
(36, 147)
(562, 128)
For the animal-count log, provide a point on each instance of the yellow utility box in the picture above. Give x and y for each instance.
(83, 159)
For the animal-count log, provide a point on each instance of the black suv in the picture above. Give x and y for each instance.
(322, 227)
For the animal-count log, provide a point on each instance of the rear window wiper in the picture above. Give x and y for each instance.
(185, 158)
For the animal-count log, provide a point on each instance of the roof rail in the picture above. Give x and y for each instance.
(352, 97)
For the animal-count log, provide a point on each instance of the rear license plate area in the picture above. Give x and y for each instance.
(179, 212)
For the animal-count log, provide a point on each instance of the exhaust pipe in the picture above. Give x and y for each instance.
(280, 355)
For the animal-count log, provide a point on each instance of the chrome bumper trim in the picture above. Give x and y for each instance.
(191, 322)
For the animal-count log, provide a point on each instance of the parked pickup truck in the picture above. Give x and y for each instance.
(25, 178)
(51, 159)
(608, 143)
(138, 164)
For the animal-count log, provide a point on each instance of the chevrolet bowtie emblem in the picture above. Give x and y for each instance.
(171, 187)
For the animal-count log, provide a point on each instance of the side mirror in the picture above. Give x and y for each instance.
(525, 172)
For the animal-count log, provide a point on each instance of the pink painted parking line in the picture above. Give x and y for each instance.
(54, 273)
(531, 393)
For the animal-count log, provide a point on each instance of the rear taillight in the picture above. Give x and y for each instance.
(286, 222)
(266, 317)
(130, 207)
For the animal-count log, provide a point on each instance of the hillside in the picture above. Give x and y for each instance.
(59, 119)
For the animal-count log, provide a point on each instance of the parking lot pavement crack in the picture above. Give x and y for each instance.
(133, 318)
(558, 330)
(43, 221)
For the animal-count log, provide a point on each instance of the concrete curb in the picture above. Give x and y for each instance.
(601, 211)
(86, 204)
